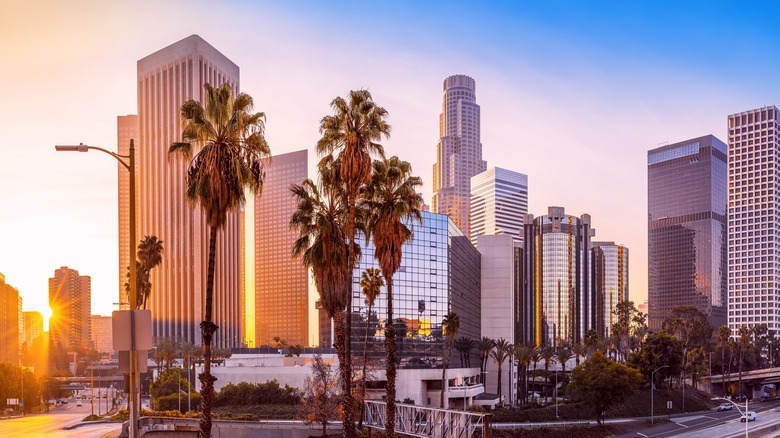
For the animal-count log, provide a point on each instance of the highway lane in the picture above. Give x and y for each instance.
(51, 424)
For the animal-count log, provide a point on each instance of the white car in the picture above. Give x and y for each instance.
(78, 403)
(750, 416)
(725, 407)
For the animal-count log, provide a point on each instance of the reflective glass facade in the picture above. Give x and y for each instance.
(687, 229)
(439, 272)
(557, 295)
(610, 283)
(754, 219)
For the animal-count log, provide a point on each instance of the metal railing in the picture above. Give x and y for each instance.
(422, 422)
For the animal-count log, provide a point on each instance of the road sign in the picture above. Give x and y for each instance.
(669, 405)
(120, 324)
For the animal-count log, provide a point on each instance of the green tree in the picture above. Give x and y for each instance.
(150, 250)
(231, 149)
(499, 354)
(523, 354)
(579, 350)
(391, 200)
(485, 346)
(371, 283)
(464, 346)
(601, 383)
(659, 349)
(450, 326)
(548, 354)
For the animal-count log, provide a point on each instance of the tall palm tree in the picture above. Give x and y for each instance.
(548, 354)
(499, 354)
(149, 255)
(564, 355)
(464, 346)
(724, 334)
(320, 218)
(579, 350)
(744, 343)
(371, 283)
(523, 355)
(352, 133)
(391, 199)
(450, 326)
(485, 345)
(231, 147)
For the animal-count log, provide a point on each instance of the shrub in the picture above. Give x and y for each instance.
(171, 402)
(246, 394)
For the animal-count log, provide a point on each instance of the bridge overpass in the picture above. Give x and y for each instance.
(755, 383)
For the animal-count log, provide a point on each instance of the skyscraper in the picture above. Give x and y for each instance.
(33, 326)
(166, 79)
(753, 218)
(70, 300)
(281, 281)
(102, 334)
(459, 151)
(499, 203)
(686, 203)
(10, 314)
(558, 304)
(126, 129)
(610, 284)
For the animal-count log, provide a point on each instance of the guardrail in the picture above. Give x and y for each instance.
(422, 422)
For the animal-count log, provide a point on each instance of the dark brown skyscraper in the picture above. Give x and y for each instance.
(686, 193)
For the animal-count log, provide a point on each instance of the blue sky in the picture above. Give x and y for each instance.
(572, 93)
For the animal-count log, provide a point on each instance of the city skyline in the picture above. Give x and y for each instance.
(607, 85)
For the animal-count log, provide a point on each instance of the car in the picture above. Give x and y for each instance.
(749, 416)
(78, 404)
(725, 407)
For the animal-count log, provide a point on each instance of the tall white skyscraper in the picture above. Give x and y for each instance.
(126, 129)
(166, 79)
(753, 218)
(499, 203)
(459, 151)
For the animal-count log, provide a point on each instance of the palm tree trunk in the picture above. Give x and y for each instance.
(500, 403)
(207, 330)
(365, 363)
(349, 405)
(445, 364)
(390, 347)
(340, 344)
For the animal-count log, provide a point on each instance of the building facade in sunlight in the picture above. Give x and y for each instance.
(499, 203)
(33, 326)
(11, 322)
(459, 150)
(126, 129)
(686, 233)
(102, 334)
(166, 79)
(753, 219)
(281, 281)
(610, 284)
(70, 300)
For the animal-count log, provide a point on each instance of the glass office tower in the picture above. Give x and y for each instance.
(686, 196)
(439, 272)
(610, 283)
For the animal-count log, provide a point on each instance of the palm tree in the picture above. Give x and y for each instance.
(564, 355)
(232, 148)
(149, 253)
(186, 350)
(485, 345)
(320, 218)
(449, 326)
(523, 355)
(579, 350)
(391, 199)
(371, 283)
(499, 354)
(724, 334)
(744, 344)
(548, 354)
(464, 346)
(353, 131)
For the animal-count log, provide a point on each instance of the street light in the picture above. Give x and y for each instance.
(130, 166)
(747, 420)
(652, 391)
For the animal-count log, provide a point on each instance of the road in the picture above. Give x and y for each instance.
(52, 424)
(709, 424)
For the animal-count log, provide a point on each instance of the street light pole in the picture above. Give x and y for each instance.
(652, 391)
(130, 166)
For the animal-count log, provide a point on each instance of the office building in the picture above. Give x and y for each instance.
(610, 283)
(70, 296)
(33, 326)
(558, 304)
(11, 322)
(440, 272)
(281, 281)
(166, 79)
(499, 203)
(753, 218)
(102, 335)
(126, 129)
(459, 150)
(686, 203)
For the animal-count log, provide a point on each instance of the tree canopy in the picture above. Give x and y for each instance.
(601, 383)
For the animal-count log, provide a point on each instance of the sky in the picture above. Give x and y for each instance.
(572, 93)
